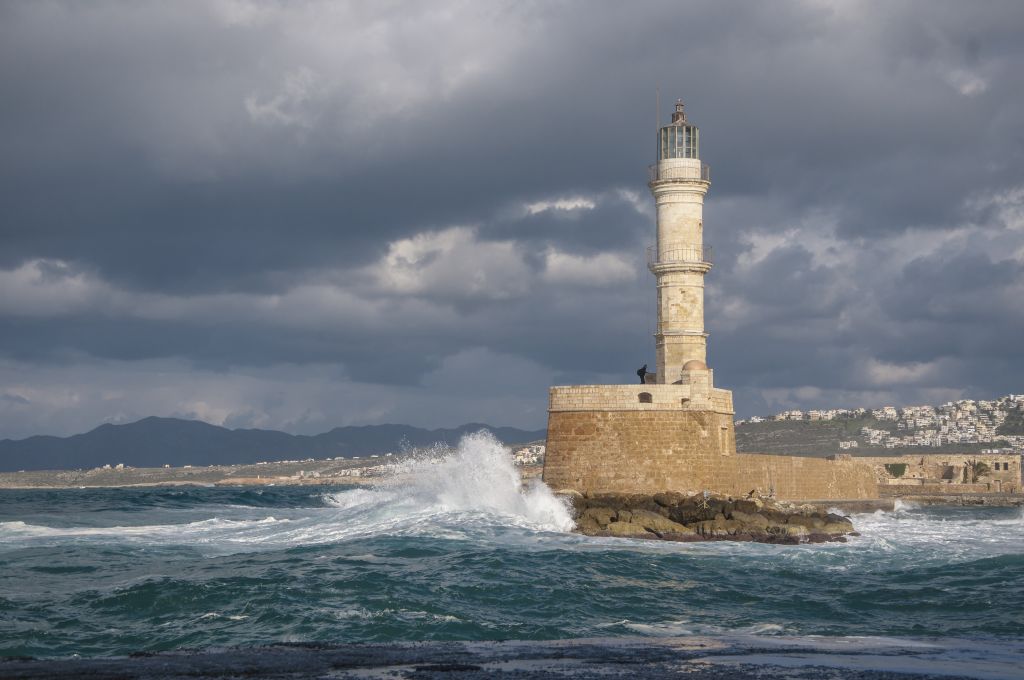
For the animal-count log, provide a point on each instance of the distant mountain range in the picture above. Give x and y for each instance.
(154, 442)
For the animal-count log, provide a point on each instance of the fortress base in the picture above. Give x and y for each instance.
(612, 439)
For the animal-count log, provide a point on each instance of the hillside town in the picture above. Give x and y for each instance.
(967, 421)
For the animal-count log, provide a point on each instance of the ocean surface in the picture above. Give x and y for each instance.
(455, 549)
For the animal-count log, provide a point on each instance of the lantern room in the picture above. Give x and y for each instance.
(680, 138)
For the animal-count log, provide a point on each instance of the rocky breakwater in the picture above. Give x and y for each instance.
(706, 517)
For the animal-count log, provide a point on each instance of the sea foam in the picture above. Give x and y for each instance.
(470, 491)
(476, 478)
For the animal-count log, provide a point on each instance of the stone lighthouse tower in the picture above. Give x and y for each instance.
(675, 430)
(679, 260)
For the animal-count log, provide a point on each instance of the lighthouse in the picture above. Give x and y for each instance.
(675, 430)
(679, 260)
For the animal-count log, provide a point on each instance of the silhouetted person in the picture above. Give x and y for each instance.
(642, 372)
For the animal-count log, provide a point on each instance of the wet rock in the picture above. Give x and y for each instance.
(657, 523)
(712, 528)
(628, 530)
(674, 516)
(668, 499)
(601, 516)
(748, 506)
(751, 519)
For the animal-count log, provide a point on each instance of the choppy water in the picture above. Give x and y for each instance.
(459, 551)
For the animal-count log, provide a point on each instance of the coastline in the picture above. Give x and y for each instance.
(282, 473)
(365, 472)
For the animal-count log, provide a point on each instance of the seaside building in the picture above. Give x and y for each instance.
(673, 429)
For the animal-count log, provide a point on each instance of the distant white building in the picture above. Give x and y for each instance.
(528, 455)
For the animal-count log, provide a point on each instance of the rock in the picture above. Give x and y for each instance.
(587, 526)
(592, 521)
(746, 506)
(676, 516)
(824, 538)
(833, 517)
(808, 522)
(668, 499)
(718, 527)
(797, 530)
(687, 512)
(717, 506)
(709, 528)
(628, 530)
(782, 540)
(659, 524)
(750, 520)
(602, 516)
(838, 528)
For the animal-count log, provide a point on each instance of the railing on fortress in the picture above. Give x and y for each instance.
(656, 174)
(675, 252)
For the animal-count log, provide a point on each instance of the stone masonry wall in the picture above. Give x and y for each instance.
(647, 451)
(693, 397)
(947, 470)
(803, 478)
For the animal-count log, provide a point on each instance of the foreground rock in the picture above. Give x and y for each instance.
(700, 517)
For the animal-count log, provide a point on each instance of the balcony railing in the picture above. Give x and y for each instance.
(673, 252)
(679, 173)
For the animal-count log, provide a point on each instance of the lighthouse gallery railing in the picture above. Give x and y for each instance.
(680, 173)
(673, 252)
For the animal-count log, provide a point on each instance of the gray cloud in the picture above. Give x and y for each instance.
(396, 194)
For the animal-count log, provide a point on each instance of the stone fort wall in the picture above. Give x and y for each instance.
(648, 449)
(945, 472)
(693, 396)
(803, 478)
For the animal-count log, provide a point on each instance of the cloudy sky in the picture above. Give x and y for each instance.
(302, 215)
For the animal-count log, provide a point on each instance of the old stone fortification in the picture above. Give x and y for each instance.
(944, 473)
(604, 439)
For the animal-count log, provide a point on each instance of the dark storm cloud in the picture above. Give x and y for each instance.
(380, 188)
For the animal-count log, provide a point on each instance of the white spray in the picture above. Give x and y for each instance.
(467, 491)
(477, 477)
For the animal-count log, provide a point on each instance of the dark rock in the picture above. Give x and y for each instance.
(628, 530)
(668, 499)
(675, 516)
(747, 506)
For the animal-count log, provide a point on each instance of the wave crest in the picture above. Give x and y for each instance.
(476, 478)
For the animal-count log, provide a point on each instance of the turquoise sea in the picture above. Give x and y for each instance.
(455, 549)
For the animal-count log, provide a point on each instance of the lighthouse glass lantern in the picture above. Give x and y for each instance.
(680, 139)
